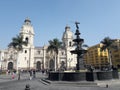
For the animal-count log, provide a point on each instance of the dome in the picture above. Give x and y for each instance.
(27, 20)
(67, 33)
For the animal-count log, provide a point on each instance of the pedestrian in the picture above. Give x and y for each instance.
(13, 75)
(30, 74)
(34, 73)
(6, 72)
(43, 71)
(19, 75)
(106, 85)
(9, 72)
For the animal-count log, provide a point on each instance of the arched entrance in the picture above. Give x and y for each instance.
(51, 65)
(38, 66)
(62, 66)
(10, 66)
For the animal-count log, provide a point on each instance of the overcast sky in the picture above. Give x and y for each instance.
(98, 19)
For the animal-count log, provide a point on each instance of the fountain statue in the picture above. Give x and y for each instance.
(79, 50)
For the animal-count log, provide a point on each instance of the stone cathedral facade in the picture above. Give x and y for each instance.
(32, 57)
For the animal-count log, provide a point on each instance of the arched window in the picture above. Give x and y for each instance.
(10, 66)
(26, 39)
(62, 66)
(25, 51)
(38, 66)
(38, 52)
(70, 43)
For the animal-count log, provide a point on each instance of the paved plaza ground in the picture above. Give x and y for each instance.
(41, 83)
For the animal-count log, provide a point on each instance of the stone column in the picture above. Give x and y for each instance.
(44, 58)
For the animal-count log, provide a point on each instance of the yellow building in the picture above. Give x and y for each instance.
(96, 57)
(115, 53)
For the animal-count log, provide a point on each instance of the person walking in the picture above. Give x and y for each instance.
(30, 74)
(34, 74)
(43, 71)
(19, 74)
(13, 75)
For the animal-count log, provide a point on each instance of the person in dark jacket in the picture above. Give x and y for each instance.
(34, 74)
(30, 74)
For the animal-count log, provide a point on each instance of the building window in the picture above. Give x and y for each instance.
(116, 55)
(38, 52)
(26, 39)
(70, 44)
(62, 53)
(25, 51)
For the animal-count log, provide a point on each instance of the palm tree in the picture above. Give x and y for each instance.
(54, 46)
(17, 44)
(108, 44)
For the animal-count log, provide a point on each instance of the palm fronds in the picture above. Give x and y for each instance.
(17, 43)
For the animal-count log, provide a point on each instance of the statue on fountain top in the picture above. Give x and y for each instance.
(77, 24)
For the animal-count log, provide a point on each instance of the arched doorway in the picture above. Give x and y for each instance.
(51, 65)
(62, 66)
(38, 66)
(10, 66)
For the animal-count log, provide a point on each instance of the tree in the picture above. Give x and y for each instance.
(17, 44)
(108, 44)
(54, 46)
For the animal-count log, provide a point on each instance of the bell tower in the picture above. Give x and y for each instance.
(68, 44)
(27, 32)
(26, 57)
(67, 37)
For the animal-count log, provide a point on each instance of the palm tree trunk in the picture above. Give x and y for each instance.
(17, 61)
(109, 58)
(55, 62)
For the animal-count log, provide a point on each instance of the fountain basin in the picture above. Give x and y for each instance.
(83, 76)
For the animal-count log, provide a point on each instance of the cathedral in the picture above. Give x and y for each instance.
(32, 57)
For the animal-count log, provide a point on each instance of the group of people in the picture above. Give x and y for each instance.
(12, 73)
(32, 74)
